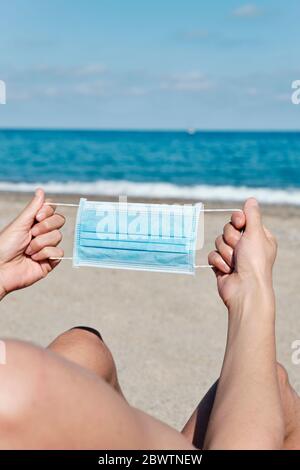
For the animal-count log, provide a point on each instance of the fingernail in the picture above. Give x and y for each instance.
(40, 216)
(253, 201)
(38, 191)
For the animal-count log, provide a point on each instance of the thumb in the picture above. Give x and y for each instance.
(253, 215)
(27, 216)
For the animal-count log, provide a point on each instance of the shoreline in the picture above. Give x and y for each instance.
(283, 209)
(160, 191)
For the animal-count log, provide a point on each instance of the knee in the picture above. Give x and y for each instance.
(84, 346)
(83, 333)
(76, 339)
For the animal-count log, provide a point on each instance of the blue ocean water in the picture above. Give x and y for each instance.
(225, 165)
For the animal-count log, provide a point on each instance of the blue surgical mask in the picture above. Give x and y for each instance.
(148, 237)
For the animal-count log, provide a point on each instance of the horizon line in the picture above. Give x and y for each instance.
(195, 130)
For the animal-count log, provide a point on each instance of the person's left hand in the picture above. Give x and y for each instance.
(28, 243)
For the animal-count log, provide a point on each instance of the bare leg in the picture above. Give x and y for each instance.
(196, 427)
(85, 346)
(49, 402)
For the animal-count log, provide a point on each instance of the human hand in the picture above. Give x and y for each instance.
(28, 243)
(244, 260)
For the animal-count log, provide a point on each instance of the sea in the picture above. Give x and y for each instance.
(191, 164)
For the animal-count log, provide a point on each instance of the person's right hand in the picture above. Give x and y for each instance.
(244, 256)
(29, 245)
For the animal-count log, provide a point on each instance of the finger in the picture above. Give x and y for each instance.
(231, 235)
(253, 215)
(216, 260)
(54, 222)
(238, 220)
(47, 239)
(27, 216)
(219, 274)
(48, 252)
(44, 212)
(46, 267)
(225, 250)
(54, 262)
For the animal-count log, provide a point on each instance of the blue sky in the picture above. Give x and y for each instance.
(211, 64)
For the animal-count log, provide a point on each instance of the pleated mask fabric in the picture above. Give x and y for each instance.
(147, 237)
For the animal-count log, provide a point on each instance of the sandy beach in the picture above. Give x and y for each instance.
(167, 332)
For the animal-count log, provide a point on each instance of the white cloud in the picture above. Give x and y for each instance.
(89, 89)
(56, 81)
(85, 70)
(85, 89)
(252, 91)
(247, 11)
(137, 91)
(91, 69)
(195, 34)
(50, 91)
(192, 81)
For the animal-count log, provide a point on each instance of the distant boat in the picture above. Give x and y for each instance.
(191, 130)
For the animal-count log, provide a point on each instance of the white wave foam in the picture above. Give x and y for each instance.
(161, 190)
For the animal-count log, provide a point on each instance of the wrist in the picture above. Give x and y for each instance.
(255, 297)
(251, 322)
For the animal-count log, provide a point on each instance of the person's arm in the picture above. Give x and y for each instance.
(247, 411)
(28, 243)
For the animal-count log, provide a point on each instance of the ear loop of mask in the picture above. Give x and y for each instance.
(198, 266)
